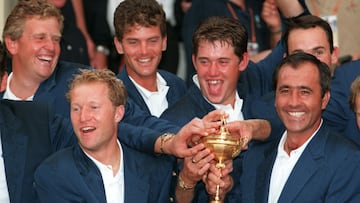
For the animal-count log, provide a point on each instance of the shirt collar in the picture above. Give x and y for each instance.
(281, 149)
(8, 94)
(160, 82)
(103, 167)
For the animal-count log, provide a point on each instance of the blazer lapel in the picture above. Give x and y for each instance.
(133, 93)
(91, 174)
(302, 172)
(305, 167)
(14, 153)
(264, 174)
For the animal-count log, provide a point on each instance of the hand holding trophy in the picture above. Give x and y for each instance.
(225, 147)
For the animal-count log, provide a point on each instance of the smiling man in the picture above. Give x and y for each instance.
(100, 168)
(32, 35)
(309, 162)
(220, 59)
(140, 35)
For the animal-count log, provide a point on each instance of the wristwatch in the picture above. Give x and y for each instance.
(182, 184)
(164, 138)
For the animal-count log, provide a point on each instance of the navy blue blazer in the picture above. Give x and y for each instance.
(338, 114)
(327, 171)
(52, 91)
(191, 105)
(253, 83)
(177, 88)
(70, 176)
(29, 134)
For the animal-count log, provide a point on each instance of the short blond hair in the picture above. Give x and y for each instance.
(27, 9)
(117, 91)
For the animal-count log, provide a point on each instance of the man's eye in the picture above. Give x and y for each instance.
(39, 37)
(57, 39)
(305, 92)
(153, 40)
(284, 91)
(223, 62)
(94, 107)
(75, 109)
(204, 62)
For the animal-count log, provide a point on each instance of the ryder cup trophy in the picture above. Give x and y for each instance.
(225, 147)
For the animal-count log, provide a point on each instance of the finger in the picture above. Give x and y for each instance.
(195, 139)
(215, 171)
(204, 165)
(193, 150)
(203, 154)
(215, 115)
(211, 124)
(204, 169)
(226, 171)
(216, 180)
(228, 167)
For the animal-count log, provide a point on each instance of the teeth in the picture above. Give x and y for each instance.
(87, 129)
(214, 82)
(144, 60)
(296, 114)
(44, 58)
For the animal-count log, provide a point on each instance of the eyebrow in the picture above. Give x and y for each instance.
(312, 49)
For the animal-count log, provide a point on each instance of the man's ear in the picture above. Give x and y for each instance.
(193, 58)
(119, 113)
(244, 62)
(325, 100)
(164, 43)
(11, 45)
(118, 45)
(335, 56)
(3, 82)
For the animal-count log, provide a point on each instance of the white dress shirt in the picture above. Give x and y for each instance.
(113, 185)
(156, 101)
(283, 166)
(8, 94)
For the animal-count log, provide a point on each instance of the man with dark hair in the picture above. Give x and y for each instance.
(309, 162)
(140, 36)
(220, 59)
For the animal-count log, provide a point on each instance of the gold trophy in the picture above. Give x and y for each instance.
(225, 147)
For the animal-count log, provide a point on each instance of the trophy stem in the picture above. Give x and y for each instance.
(220, 164)
(225, 147)
(216, 198)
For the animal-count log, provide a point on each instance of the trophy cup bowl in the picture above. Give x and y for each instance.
(225, 147)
